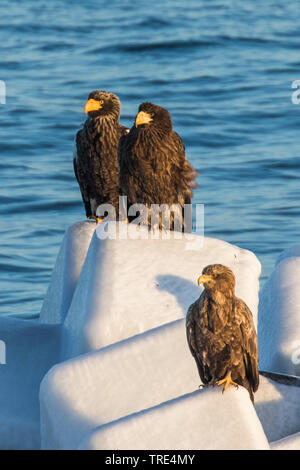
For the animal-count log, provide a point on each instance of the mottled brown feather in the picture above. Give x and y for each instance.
(153, 165)
(221, 334)
(96, 163)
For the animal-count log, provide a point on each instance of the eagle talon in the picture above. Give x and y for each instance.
(209, 384)
(227, 381)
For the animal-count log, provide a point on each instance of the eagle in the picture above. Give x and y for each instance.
(154, 169)
(221, 334)
(96, 152)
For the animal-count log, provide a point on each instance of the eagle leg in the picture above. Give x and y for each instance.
(227, 381)
(98, 220)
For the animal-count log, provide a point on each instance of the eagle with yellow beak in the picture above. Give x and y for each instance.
(153, 167)
(96, 152)
(221, 333)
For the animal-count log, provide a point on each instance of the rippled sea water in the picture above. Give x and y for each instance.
(223, 69)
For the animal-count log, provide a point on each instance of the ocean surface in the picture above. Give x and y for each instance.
(224, 70)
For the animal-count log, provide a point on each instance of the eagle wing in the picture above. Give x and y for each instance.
(127, 167)
(249, 342)
(192, 331)
(122, 150)
(122, 163)
(80, 173)
(187, 173)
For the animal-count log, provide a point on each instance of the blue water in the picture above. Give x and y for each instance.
(224, 70)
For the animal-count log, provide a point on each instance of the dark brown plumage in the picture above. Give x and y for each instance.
(221, 333)
(96, 160)
(153, 166)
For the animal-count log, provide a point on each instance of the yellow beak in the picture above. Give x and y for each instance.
(142, 118)
(92, 105)
(204, 278)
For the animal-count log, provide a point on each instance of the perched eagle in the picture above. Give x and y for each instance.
(96, 154)
(221, 333)
(153, 166)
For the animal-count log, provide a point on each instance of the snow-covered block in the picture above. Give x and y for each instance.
(287, 443)
(277, 403)
(102, 291)
(118, 380)
(66, 272)
(102, 386)
(31, 348)
(279, 319)
(128, 286)
(205, 420)
(28, 350)
(291, 252)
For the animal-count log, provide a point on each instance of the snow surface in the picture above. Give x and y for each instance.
(118, 380)
(101, 292)
(129, 286)
(31, 349)
(278, 408)
(204, 420)
(288, 443)
(66, 272)
(279, 318)
(136, 374)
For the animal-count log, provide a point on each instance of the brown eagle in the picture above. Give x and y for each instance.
(221, 333)
(96, 153)
(153, 166)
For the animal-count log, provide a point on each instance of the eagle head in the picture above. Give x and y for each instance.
(152, 117)
(103, 104)
(217, 278)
